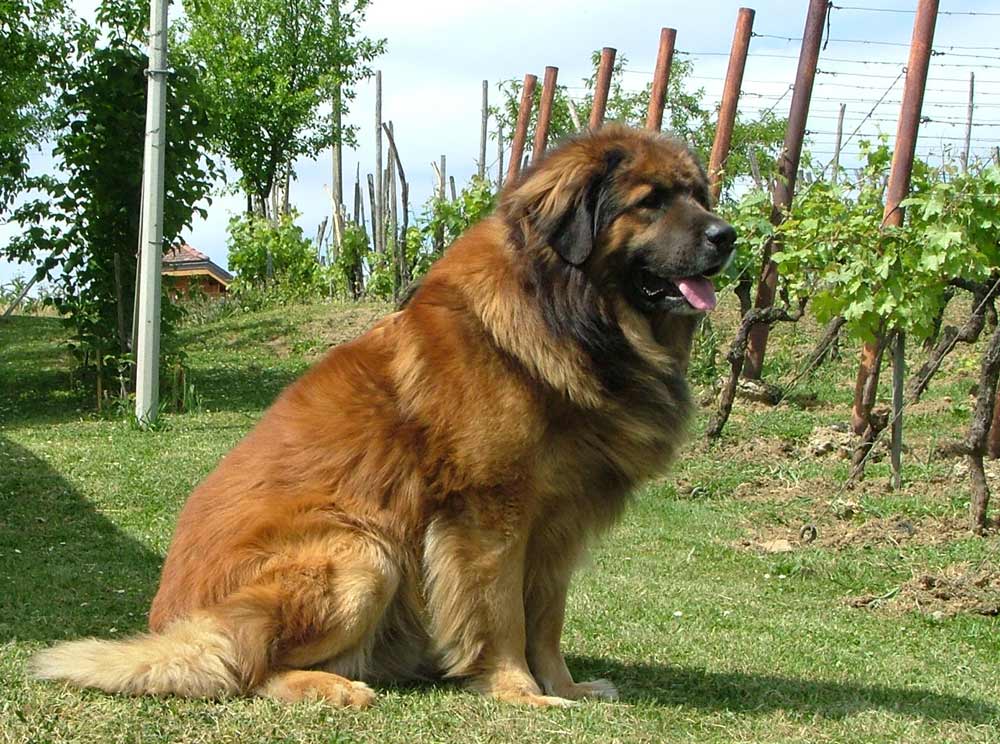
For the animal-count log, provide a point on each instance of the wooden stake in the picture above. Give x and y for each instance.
(788, 165)
(730, 100)
(544, 113)
(661, 79)
(968, 124)
(403, 265)
(602, 87)
(902, 162)
(836, 147)
(482, 130)
(521, 129)
(397, 280)
(373, 211)
(573, 114)
(378, 212)
(500, 170)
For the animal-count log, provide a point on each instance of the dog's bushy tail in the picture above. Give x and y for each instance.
(193, 657)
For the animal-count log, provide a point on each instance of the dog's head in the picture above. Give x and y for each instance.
(631, 210)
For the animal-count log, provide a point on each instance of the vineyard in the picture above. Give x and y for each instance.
(816, 238)
(820, 565)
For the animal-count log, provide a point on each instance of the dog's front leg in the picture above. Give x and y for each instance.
(475, 581)
(546, 609)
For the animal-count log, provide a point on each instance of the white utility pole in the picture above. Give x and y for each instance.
(147, 391)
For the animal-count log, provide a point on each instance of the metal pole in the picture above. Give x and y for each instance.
(788, 167)
(482, 130)
(968, 124)
(544, 113)
(378, 218)
(896, 447)
(602, 87)
(902, 166)
(730, 99)
(661, 78)
(835, 175)
(521, 129)
(147, 390)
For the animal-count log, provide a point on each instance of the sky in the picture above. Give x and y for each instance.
(438, 52)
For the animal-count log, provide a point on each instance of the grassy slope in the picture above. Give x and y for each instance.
(704, 638)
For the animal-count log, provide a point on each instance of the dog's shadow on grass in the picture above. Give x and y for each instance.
(748, 693)
(65, 569)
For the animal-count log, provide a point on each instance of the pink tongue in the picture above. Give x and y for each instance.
(698, 291)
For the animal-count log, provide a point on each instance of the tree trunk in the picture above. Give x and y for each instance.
(979, 430)
(872, 424)
(982, 302)
(736, 356)
(826, 343)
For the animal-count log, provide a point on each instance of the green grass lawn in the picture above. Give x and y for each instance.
(708, 636)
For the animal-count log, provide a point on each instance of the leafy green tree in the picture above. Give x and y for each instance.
(271, 67)
(85, 224)
(36, 44)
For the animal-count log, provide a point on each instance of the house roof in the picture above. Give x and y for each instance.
(182, 259)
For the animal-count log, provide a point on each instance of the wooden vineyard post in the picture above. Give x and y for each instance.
(788, 167)
(730, 99)
(602, 87)
(521, 128)
(441, 180)
(482, 129)
(397, 279)
(544, 113)
(968, 123)
(500, 170)
(575, 117)
(899, 180)
(404, 188)
(378, 208)
(661, 79)
(835, 174)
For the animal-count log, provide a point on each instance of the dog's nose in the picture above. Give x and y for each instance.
(721, 235)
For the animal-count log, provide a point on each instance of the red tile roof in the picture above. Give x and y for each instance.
(183, 259)
(183, 253)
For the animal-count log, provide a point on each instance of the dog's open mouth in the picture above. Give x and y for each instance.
(696, 290)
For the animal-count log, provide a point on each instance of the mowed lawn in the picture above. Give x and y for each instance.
(717, 623)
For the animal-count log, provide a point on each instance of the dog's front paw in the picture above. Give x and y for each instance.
(600, 689)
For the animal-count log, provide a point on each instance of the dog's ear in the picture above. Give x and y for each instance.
(569, 201)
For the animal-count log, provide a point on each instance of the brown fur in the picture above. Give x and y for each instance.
(416, 503)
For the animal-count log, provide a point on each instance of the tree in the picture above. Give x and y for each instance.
(36, 42)
(86, 221)
(270, 68)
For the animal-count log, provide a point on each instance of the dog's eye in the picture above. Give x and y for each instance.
(655, 199)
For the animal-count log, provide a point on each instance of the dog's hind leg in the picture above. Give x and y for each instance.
(297, 684)
(309, 604)
(329, 609)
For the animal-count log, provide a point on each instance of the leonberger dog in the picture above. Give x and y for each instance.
(414, 506)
